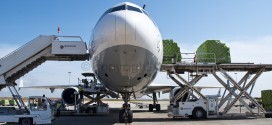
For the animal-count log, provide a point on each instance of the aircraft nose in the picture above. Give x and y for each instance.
(124, 29)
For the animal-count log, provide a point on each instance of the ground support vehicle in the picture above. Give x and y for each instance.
(38, 111)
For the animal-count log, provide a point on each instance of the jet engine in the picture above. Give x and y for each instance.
(69, 95)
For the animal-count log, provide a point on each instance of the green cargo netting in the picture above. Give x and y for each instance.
(12, 102)
(213, 51)
(267, 99)
(171, 52)
(4, 102)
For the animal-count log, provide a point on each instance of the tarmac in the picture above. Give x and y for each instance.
(144, 117)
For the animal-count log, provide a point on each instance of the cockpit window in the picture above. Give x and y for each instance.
(122, 7)
(134, 9)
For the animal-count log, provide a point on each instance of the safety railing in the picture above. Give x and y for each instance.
(16, 50)
(211, 58)
(56, 38)
(66, 38)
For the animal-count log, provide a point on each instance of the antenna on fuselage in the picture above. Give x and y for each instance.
(144, 6)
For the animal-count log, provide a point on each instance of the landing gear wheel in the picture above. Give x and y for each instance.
(267, 115)
(25, 121)
(158, 107)
(199, 113)
(125, 115)
(130, 116)
(150, 106)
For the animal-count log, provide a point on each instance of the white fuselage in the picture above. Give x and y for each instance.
(126, 49)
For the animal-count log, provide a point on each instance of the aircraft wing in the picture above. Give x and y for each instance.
(157, 88)
(51, 87)
(199, 88)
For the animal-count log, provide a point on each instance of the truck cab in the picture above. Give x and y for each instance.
(192, 106)
(40, 106)
(39, 112)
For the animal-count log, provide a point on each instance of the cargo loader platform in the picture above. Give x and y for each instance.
(199, 70)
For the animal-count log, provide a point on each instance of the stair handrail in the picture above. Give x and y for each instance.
(16, 50)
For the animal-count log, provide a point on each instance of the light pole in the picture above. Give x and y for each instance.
(236, 76)
(69, 76)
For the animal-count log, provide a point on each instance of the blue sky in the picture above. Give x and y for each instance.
(191, 21)
(244, 25)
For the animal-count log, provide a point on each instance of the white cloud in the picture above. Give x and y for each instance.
(256, 50)
(6, 49)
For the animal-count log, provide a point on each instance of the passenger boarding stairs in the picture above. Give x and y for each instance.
(36, 52)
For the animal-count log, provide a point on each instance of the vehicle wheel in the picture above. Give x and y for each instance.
(121, 116)
(199, 113)
(267, 115)
(190, 117)
(130, 116)
(94, 110)
(150, 107)
(25, 121)
(158, 107)
(88, 110)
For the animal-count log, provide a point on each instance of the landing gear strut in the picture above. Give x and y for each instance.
(125, 114)
(155, 104)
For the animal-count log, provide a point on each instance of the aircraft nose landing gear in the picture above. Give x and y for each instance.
(125, 114)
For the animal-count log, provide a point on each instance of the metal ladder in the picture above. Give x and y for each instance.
(185, 88)
(17, 97)
(191, 83)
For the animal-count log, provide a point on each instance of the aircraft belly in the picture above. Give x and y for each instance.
(125, 68)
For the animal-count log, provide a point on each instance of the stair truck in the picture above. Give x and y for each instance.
(38, 111)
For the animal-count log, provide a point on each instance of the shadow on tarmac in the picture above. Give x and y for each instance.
(113, 117)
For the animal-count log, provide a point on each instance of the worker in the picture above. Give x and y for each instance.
(195, 59)
(43, 105)
(95, 80)
(86, 83)
(58, 108)
(80, 90)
